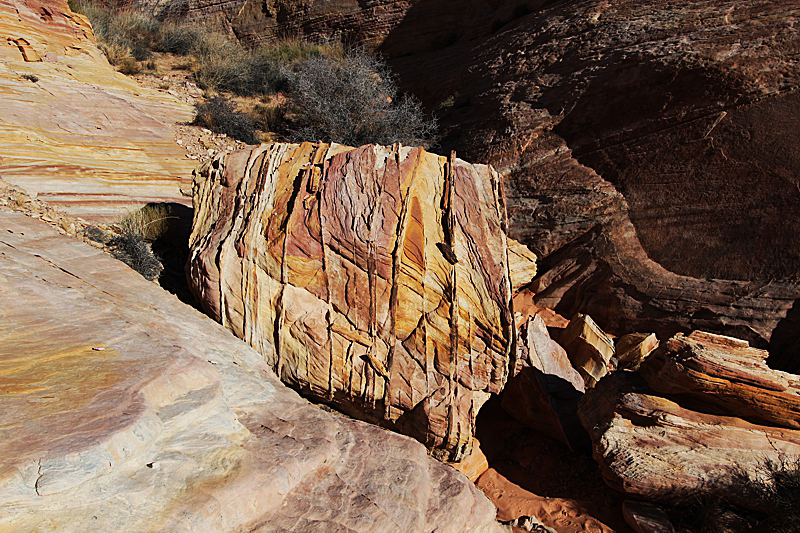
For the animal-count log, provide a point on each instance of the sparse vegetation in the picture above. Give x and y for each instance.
(353, 100)
(219, 114)
(138, 231)
(772, 497)
(347, 97)
(31, 77)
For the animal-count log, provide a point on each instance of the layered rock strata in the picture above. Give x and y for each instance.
(122, 409)
(379, 274)
(703, 435)
(81, 136)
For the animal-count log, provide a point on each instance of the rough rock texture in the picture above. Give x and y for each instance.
(122, 409)
(589, 348)
(663, 447)
(544, 389)
(725, 373)
(83, 136)
(380, 274)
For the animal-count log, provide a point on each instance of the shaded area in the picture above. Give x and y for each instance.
(541, 467)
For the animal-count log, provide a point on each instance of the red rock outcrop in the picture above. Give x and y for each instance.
(122, 409)
(81, 136)
(693, 439)
(726, 373)
(380, 275)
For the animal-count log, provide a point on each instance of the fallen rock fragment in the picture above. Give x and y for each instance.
(633, 348)
(544, 390)
(380, 275)
(720, 371)
(589, 348)
(474, 464)
(651, 447)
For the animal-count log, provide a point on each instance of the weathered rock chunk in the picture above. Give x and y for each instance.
(589, 348)
(717, 411)
(633, 348)
(379, 274)
(545, 389)
(726, 373)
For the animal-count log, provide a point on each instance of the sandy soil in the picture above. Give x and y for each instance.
(533, 475)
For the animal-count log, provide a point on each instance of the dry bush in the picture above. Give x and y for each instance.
(353, 100)
(150, 222)
(138, 230)
(219, 114)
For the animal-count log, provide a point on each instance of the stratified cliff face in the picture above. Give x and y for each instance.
(379, 274)
(81, 136)
(400, 28)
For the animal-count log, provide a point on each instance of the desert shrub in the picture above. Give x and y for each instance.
(353, 100)
(138, 230)
(150, 222)
(132, 249)
(120, 33)
(219, 114)
(31, 77)
(268, 117)
(179, 39)
(129, 66)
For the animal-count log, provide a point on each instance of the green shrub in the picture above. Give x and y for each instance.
(353, 100)
(219, 114)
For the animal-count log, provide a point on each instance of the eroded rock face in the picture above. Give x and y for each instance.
(614, 123)
(82, 137)
(690, 436)
(122, 409)
(380, 275)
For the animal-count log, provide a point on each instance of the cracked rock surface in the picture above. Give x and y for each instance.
(380, 275)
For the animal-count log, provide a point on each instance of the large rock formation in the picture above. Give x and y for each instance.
(81, 136)
(724, 416)
(380, 275)
(122, 409)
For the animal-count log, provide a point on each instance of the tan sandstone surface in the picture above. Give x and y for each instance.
(82, 137)
(124, 410)
(380, 274)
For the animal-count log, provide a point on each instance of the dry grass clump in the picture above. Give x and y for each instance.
(138, 231)
(219, 114)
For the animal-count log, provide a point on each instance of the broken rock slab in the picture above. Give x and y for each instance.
(651, 447)
(726, 373)
(633, 348)
(379, 274)
(589, 348)
(122, 409)
(544, 390)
